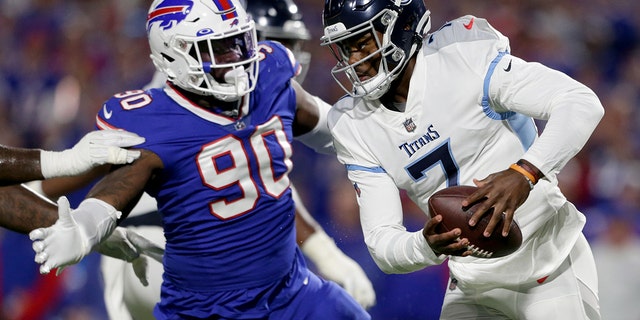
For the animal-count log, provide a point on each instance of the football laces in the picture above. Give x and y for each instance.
(480, 253)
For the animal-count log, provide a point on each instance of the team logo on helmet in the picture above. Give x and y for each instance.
(169, 13)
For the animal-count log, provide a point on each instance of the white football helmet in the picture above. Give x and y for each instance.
(402, 24)
(207, 47)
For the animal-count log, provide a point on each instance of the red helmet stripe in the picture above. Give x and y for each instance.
(225, 5)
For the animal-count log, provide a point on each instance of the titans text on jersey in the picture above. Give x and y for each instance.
(412, 147)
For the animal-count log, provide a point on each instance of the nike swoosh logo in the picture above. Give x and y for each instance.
(469, 25)
(107, 113)
(508, 68)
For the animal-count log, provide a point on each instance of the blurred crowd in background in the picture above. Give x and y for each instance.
(60, 60)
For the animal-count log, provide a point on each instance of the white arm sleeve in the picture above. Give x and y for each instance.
(392, 247)
(319, 139)
(543, 93)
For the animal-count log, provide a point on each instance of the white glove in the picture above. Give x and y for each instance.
(334, 265)
(128, 245)
(75, 233)
(94, 149)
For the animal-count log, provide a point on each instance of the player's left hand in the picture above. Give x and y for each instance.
(128, 245)
(334, 265)
(447, 243)
(504, 191)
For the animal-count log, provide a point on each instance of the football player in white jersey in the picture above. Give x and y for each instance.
(455, 107)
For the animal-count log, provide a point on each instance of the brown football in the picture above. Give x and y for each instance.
(448, 203)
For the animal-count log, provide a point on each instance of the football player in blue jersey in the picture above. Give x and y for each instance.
(216, 159)
(455, 107)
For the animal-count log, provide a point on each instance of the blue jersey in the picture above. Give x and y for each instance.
(224, 191)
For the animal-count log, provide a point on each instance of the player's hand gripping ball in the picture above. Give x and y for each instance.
(448, 203)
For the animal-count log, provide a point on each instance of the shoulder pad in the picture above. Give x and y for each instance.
(466, 29)
(345, 102)
(341, 107)
(276, 54)
(281, 51)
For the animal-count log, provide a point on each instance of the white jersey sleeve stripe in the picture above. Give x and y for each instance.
(354, 167)
(485, 91)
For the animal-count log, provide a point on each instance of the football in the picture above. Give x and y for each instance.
(448, 203)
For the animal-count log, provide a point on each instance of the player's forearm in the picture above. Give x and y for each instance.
(303, 229)
(305, 224)
(395, 250)
(392, 247)
(558, 144)
(310, 125)
(23, 211)
(19, 165)
(123, 187)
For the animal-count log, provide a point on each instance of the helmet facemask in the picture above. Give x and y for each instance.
(391, 58)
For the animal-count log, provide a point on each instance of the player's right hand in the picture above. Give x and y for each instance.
(94, 149)
(62, 244)
(336, 266)
(447, 243)
(504, 191)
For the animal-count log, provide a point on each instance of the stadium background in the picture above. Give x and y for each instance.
(59, 60)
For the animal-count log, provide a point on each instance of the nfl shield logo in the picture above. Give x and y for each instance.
(239, 125)
(409, 125)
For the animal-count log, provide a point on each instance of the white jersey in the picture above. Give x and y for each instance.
(469, 113)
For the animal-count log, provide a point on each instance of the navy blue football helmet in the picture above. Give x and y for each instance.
(401, 24)
(280, 20)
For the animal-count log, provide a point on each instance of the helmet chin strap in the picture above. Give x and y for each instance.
(375, 88)
(236, 82)
(237, 76)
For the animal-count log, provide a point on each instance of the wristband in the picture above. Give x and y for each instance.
(536, 174)
(527, 175)
(50, 163)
